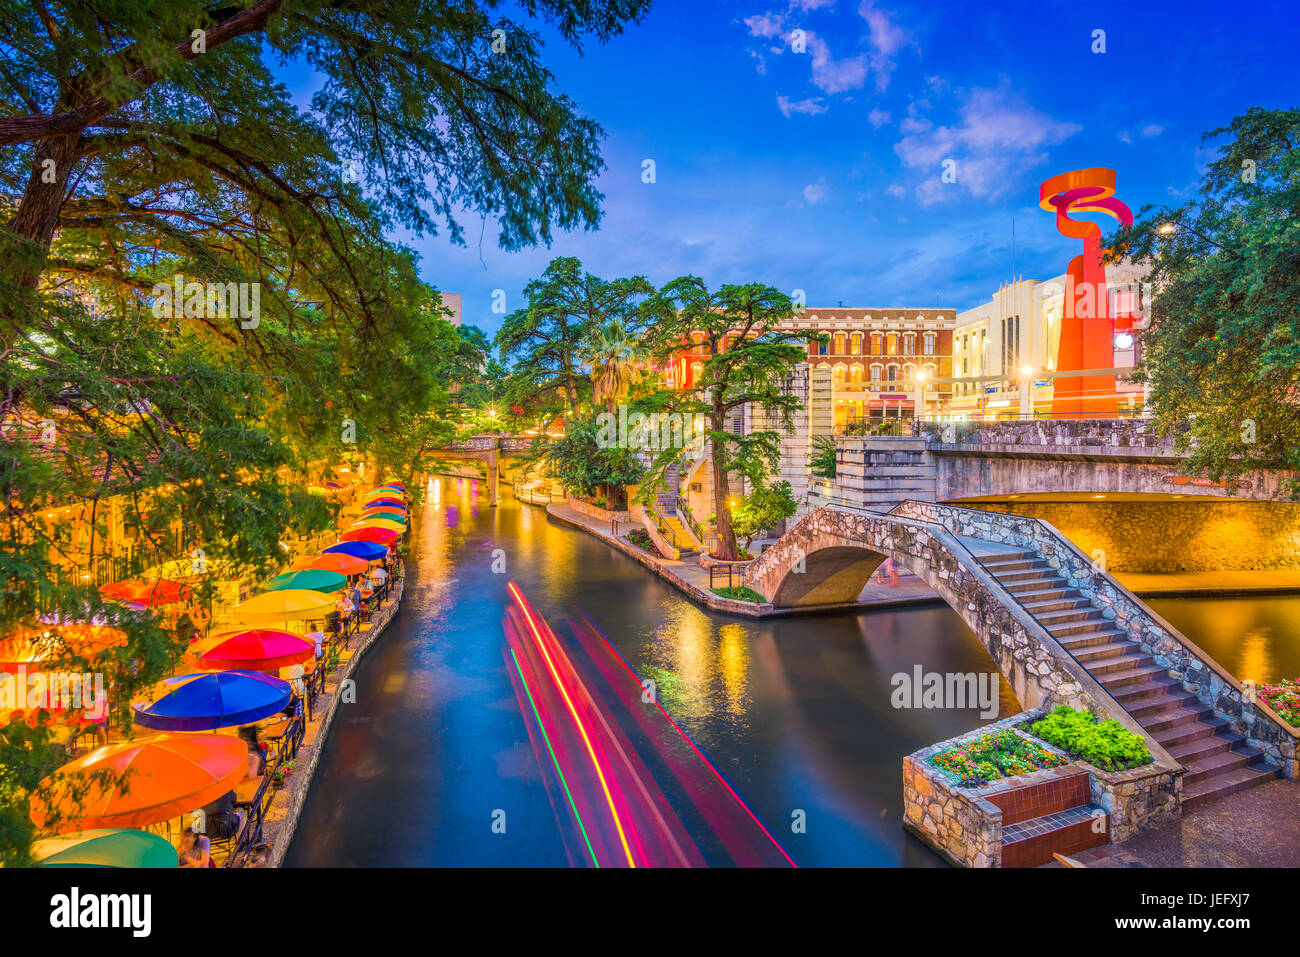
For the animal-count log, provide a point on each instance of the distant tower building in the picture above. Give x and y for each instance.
(452, 301)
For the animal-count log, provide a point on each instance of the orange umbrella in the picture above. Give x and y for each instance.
(138, 783)
(335, 562)
(164, 592)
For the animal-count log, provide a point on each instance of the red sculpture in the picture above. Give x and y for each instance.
(1087, 332)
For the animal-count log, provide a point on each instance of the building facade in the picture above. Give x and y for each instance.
(1012, 339)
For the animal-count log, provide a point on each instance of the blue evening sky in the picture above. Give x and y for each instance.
(821, 170)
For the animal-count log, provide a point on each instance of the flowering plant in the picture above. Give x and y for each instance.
(1284, 698)
(995, 755)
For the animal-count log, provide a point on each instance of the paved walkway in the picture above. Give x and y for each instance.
(1210, 583)
(692, 578)
(1257, 827)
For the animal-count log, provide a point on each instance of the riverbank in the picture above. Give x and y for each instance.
(690, 578)
(282, 816)
(1210, 584)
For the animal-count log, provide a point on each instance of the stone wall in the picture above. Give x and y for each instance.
(879, 472)
(1169, 536)
(838, 550)
(1199, 673)
(593, 511)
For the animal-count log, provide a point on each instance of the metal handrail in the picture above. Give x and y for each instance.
(684, 510)
(665, 529)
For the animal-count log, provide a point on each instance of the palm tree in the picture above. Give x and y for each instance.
(617, 360)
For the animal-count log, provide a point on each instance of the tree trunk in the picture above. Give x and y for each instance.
(38, 211)
(722, 495)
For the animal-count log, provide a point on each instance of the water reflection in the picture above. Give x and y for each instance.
(1253, 637)
(795, 712)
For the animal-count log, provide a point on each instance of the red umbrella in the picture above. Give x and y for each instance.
(258, 649)
(380, 535)
(163, 592)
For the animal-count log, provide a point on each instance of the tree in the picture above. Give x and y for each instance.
(552, 337)
(744, 359)
(617, 361)
(586, 466)
(1222, 351)
(823, 462)
(763, 508)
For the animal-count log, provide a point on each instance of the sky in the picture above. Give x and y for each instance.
(821, 169)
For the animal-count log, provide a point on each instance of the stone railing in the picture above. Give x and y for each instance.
(1200, 673)
(1094, 436)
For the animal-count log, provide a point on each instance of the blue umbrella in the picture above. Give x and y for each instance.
(358, 549)
(387, 503)
(213, 699)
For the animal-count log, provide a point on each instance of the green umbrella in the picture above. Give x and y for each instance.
(312, 579)
(106, 847)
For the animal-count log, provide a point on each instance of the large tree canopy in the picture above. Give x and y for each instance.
(1222, 353)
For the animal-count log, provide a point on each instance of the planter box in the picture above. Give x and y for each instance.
(593, 511)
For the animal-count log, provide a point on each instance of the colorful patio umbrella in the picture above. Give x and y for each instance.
(212, 700)
(149, 593)
(386, 515)
(369, 534)
(380, 523)
(367, 550)
(289, 604)
(148, 781)
(313, 579)
(335, 562)
(106, 847)
(259, 649)
(385, 504)
(184, 568)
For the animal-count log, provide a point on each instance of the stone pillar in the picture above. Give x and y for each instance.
(494, 478)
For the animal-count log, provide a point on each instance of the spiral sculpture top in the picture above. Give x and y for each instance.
(1083, 191)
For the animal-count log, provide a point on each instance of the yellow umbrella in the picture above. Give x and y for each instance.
(285, 605)
(380, 523)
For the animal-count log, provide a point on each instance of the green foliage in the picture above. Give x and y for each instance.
(582, 466)
(744, 360)
(1222, 354)
(641, 539)
(822, 462)
(740, 593)
(1107, 744)
(992, 756)
(761, 509)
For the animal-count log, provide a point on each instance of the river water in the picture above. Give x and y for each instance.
(795, 712)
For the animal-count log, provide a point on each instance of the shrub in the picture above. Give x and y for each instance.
(1107, 744)
(740, 593)
(641, 539)
(998, 754)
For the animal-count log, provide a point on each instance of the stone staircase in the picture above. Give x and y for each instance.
(1052, 816)
(1219, 761)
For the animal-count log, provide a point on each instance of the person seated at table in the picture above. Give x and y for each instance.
(220, 818)
(316, 637)
(194, 849)
(380, 578)
(367, 590)
(354, 593)
(256, 756)
(294, 674)
(346, 609)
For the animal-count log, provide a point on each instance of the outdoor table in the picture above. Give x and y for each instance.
(246, 791)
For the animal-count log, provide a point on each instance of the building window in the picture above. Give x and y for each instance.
(929, 343)
(1010, 344)
(839, 344)
(893, 373)
(855, 344)
(893, 343)
(875, 344)
(855, 373)
(909, 344)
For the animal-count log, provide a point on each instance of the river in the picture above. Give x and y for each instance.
(795, 712)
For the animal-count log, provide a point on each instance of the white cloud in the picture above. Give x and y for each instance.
(1126, 137)
(1152, 129)
(878, 118)
(896, 191)
(806, 5)
(765, 25)
(809, 107)
(835, 76)
(886, 38)
(814, 193)
(997, 137)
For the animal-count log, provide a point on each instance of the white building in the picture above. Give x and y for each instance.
(1019, 329)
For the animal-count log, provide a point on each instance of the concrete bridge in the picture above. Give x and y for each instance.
(1061, 630)
(490, 449)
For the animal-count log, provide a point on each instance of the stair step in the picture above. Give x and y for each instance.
(1183, 714)
(1091, 653)
(1163, 684)
(1088, 638)
(1045, 594)
(1042, 606)
(1028, 576)
(1150, 707)
(1122, 664)
(1031, 843)
(1205, 727)
(1221, 785)
(1199, 747)
(1119, 679)
(1216, 763)
(1067, 628)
